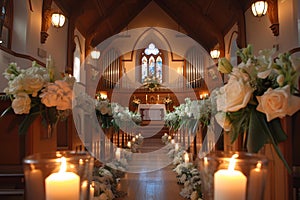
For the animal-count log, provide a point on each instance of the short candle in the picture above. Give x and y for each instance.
(230, 183)
(62, 185)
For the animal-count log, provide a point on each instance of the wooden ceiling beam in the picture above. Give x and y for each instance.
(95, 39)
(112, 9)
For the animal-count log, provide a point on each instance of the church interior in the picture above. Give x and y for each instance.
(149, 99)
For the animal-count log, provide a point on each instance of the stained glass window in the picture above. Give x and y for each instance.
(152, 63)
(144, 68)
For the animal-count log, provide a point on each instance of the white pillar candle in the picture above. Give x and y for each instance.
(62, 185)
(256, 181)
(172, 141)
(92, 191)
(129, 144)
(230, 183)
(176, 147)
(186, 158)
(118, 154)
(34, 183)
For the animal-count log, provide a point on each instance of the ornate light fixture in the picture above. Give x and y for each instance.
(259, 8)
(58, 20)
(215, 54)
(95, 54)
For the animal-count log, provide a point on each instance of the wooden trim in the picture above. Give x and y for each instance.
(19, 55)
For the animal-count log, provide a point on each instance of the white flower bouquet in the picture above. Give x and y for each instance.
(36, 91)
(259, 92)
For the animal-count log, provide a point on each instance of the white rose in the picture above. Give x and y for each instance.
(33, 83)
(49, 95)
(57, 94)
(235, 94)
(278, 103)
(65, 95)
(21, 103)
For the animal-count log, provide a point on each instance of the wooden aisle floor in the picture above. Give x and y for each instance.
(160, 184)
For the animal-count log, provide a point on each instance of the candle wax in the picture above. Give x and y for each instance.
(229, 185)
(62, 186)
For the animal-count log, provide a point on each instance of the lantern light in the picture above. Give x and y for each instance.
(259, 8)
(95, 54)
(58, 20)
(215, 53)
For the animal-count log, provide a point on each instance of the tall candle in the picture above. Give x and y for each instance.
(256, 182)
(92, 191)
(146, 97)
(129, 144)
(176, 147)
(186, 158)
(158, 97)
(118, 154)
(62, 185)
(34, 184)
(230, 183)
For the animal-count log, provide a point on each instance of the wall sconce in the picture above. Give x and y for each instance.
(215, 54)
(259, 8)
(269, 7)
(95, 54)
(58, 20)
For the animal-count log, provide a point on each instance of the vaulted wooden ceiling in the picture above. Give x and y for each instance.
(206, 21)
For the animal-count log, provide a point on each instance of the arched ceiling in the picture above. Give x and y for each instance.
(206, 21)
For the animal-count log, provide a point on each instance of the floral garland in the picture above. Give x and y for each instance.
(106, 178)
(187, 174)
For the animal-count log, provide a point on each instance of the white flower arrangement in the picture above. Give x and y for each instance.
(260, 90)
(37, 91)
(191, 114)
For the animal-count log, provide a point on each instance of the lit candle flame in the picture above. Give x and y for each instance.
(232, 162)
(63, 165)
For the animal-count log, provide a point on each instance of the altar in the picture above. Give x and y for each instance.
(152, 111)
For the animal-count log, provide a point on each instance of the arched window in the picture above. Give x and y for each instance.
(151, 61)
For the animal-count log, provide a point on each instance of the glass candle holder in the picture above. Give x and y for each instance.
(58, 175)
(233, 175)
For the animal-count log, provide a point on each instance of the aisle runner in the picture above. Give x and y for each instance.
(152, 156)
